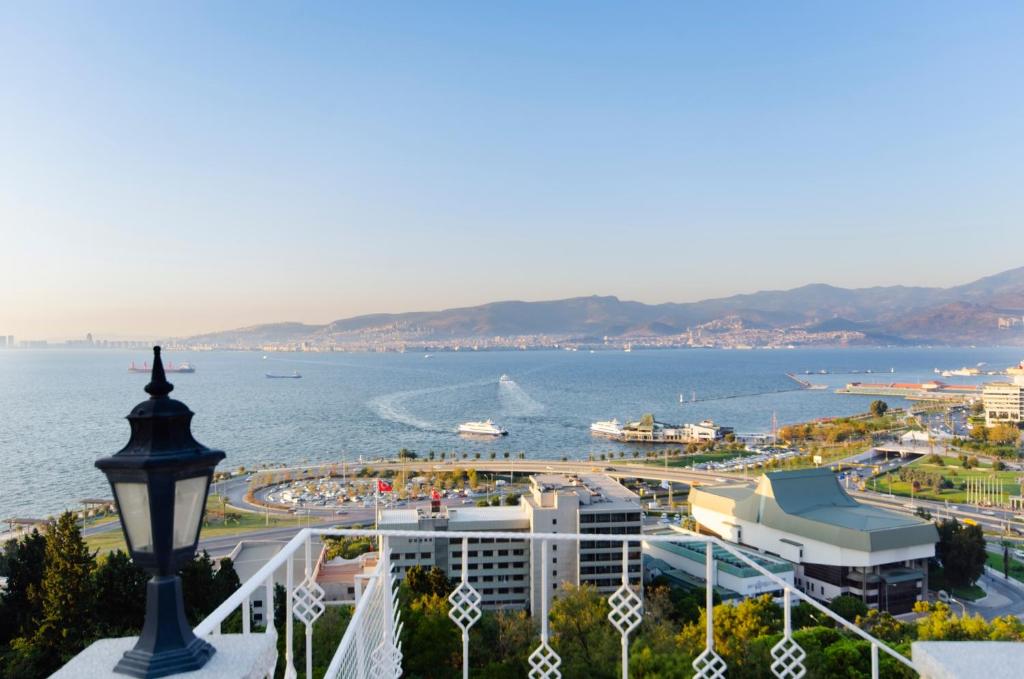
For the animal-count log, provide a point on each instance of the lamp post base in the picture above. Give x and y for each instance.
(166, 645)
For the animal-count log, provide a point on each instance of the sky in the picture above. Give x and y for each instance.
(175, 168)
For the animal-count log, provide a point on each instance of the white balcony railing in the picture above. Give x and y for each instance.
(371, 648)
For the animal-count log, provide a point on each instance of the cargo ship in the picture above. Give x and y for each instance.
(169, 368)
(281, 376)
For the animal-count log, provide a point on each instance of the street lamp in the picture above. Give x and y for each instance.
(160, 481)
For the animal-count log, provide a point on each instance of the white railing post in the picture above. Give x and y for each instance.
(465, 607)
(268, 606)
(789, 657)
(874, 660)
(309, 623)
(626, 609)
(289, 665)
(246, 615)
(544, 662)
(709, 665)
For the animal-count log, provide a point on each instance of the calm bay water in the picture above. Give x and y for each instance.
(61, 409)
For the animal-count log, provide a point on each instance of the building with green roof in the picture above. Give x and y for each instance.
(838, 545)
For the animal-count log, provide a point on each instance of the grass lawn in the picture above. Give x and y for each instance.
(216, 524)
(953, 472)
(1016, 567)
(937, 581)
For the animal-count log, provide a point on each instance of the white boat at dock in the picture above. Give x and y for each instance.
(610, 428)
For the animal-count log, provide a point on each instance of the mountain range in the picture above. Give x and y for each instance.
(988, 310)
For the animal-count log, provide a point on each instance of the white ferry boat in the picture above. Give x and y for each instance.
(610, 428)
(505, 379)
(485, 428)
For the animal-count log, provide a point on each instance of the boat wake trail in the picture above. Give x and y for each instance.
(391, 407)
(515, 402)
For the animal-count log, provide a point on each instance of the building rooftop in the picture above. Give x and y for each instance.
(726, 560)
(512, 517)
(810, 503)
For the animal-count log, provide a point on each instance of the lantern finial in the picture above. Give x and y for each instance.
(158, 386)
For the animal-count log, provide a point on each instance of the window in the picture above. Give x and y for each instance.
(410, 555)
(502, 552)
(554, 560)
(424, 555)
(554, 548)
(257, 602)
(488, 552)
(554, 522)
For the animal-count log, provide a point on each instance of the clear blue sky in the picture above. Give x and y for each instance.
(199, 166)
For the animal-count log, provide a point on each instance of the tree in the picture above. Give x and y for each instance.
(68, 598)
(848, 607)
(512, 499)
(21, 605)
(420, 582)
(508, 637)
(121, 591)
(431, 644)
(878, 408)
(961, 549)
(736, 625)
(1004, 434)
(581, 635)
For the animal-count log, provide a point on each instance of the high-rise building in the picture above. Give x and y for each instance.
(507, 572)
(1004, 402)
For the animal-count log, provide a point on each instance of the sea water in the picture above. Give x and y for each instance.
(62, 409)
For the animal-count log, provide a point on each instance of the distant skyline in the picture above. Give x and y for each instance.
(172, 170)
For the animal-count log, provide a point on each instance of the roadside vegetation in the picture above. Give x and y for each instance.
(61, 596)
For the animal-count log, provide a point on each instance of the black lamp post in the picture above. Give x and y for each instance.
(160, 481)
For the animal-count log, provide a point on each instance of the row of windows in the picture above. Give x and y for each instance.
(410, 556)
(611, 530)
(607, 556)
(609, 518)
(486, 591)
(488, 552)
(608, 570)
(497, 578)
(487, 565)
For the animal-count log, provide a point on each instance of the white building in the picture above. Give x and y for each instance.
(1004, 402)
(838, 545)
(507, 572)
(738, 579)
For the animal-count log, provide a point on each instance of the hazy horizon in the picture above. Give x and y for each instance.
(169, 171)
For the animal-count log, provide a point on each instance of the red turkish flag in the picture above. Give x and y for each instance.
(434, 495)
(383, 486)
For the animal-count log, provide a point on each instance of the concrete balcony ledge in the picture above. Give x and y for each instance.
(238, 656)
(968, 659)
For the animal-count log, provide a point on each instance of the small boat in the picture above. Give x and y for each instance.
(485, 428)
(505, 379)
(280, 376)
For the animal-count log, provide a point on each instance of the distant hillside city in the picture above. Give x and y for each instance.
(987, 311)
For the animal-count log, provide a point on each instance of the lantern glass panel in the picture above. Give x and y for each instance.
(189, 498)
(133, 499)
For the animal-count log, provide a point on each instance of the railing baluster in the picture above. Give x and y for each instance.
(709, 665)
(874, 661)
(246, 616)
(465, 607)
(626, 609)
(268, 605)
(789, 657)
(309, 623)
(289, 665)
(544, 660)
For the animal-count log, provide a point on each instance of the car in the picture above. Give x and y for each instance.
(988, 512)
